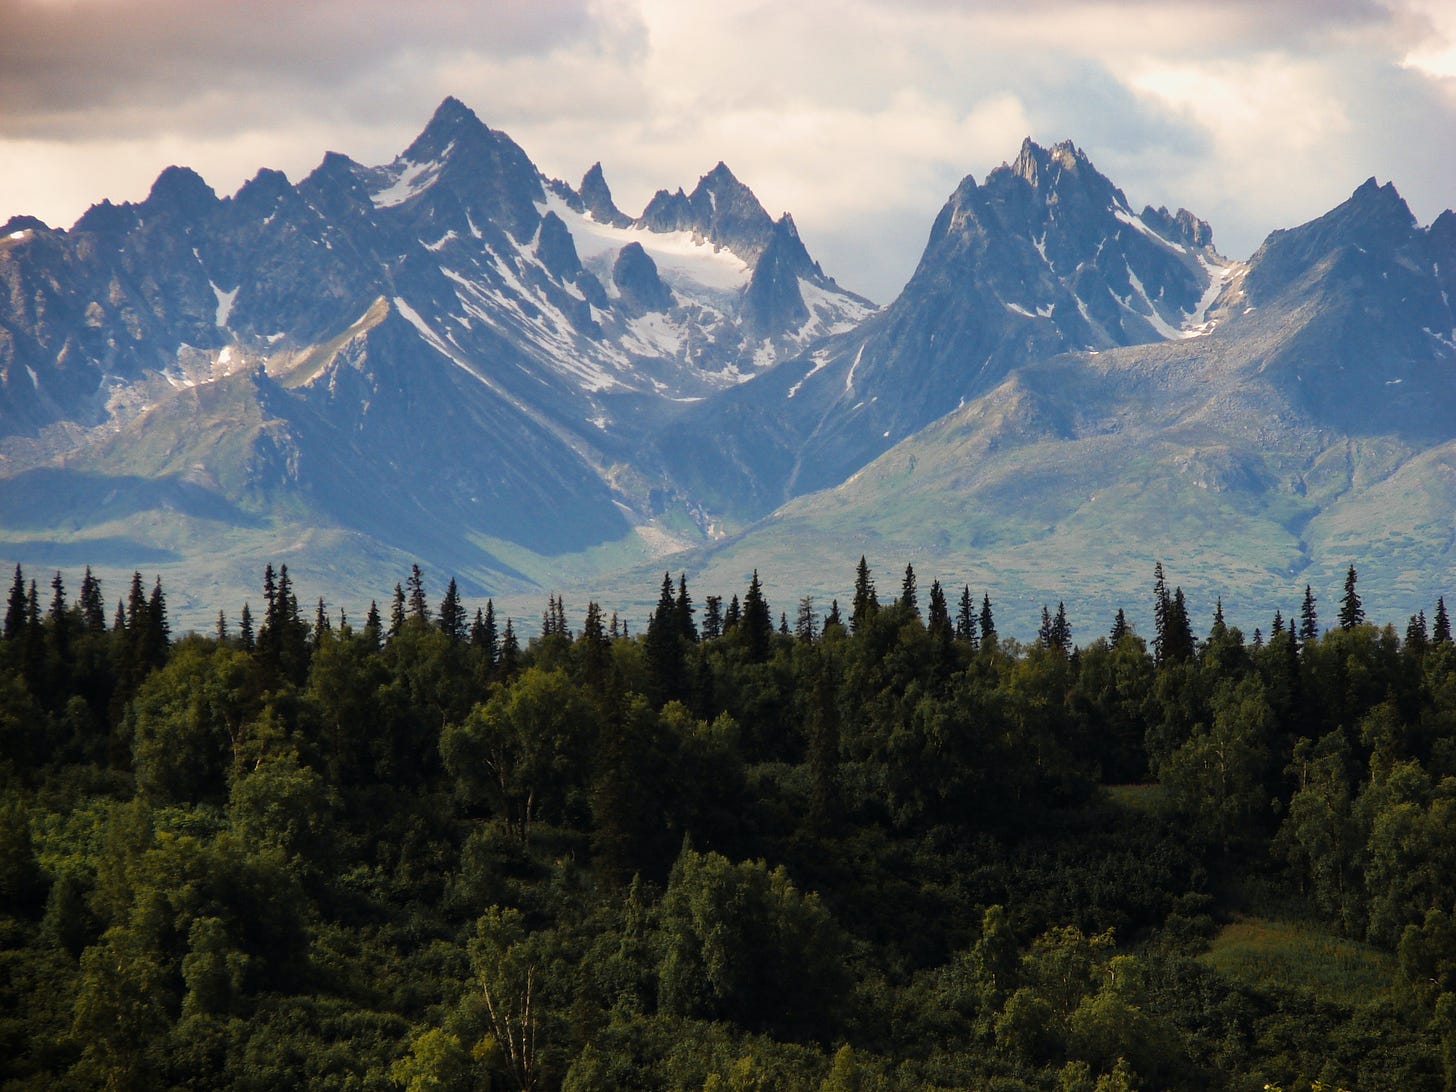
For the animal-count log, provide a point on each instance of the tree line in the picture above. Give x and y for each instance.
(884, 847)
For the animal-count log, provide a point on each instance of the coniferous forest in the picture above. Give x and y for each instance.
(870, 845)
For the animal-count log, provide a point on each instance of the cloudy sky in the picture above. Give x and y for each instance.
(858, 116)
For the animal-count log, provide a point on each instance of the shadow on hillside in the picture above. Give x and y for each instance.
(55, 499)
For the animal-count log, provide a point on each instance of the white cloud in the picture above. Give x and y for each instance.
(859, 116)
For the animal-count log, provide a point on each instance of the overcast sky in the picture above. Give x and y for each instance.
(858, 116)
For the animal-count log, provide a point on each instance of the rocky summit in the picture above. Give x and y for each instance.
(454, 359)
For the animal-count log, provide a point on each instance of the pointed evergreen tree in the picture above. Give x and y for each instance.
(712, 617)
(373, 625)
(1258, 637)
(865, 601)
(93, 609)
(937, 617)
(15, 609)
(1062, 630)
(733, 615)
(965, 629)
(1219, 627)
(687, 629)
(806, 624)
(1351, 613)
(596, 657)
(245, 628)
(136, 608)
(987, 621)
(477, 629)
(1044, 631)
(509, 663)
(833, 618)
(321, 623)
(663, 648)
(222, 627)
(1441, 631)
(396, 613)
(1161, 602)
(909, 597)
(1178, 630)
(489, 637)
(783, 623)
(1277, 626)
(757, 621)
(58, 619)
(419, 608)
(1417, 638)
(1308, 618)
(452, 614)
(118, 620)
(1119, 628)
(158, 630)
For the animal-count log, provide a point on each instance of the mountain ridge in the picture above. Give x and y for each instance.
(455, 359)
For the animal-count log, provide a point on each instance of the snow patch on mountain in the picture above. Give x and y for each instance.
(224, 304)
(680, 256)
(406, 179)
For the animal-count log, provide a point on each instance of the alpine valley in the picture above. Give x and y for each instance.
(454, 360)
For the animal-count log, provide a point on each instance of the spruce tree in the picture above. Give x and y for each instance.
(733, 615)
(833, 618)
(687, 629)
(712, 617)
(419, 608)
(373, 626)
(966, 617)
(1161, 603)
(490, 638)
(321, 623)
(783, 623)
(1416, 636)
(937, 618)
(757, 621)
(510, 652)
(158, 629)
(58, 618)
(15, 609)
(396, 613)
(1308, 618)
(663, 647)
(1119, 628)
(93, 609)
(1351, 613)
(909, 598)
(987, 621)
(1441, 631)
(245, 628)
(1178, 630)
(222, 627)
(1044, 631)
(865, 601)
(1061, 630)
(452, 614)
(596, 648)
(806, 624)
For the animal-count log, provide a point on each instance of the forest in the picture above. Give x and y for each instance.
(872, 847)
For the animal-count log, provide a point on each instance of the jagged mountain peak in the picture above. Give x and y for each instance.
(596, 198)
(1034, 162)
(182, 189)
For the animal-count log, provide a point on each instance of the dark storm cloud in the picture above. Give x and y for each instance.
(107, 67)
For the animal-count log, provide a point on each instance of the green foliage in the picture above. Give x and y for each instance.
(741, 942)
(898, 854)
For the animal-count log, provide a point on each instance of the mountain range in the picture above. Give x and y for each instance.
(455, 360)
